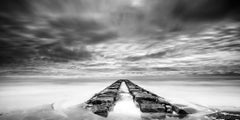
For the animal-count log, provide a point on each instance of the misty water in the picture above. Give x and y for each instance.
(125, 108)
(214, 93)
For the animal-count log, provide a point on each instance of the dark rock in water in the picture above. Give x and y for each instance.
(101, 110)
(225, 115)
(150, 104)
(104, 101)
(151, 108)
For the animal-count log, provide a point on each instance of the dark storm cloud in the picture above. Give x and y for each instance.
(15, 51)
(136, 69)
(192, 16)
(206, 9)
(19, 43)
(85, 31)
(27, 35)
(158, 69)
(197, 10)
(164, 69)
(58, 53)
(74, 35)
(14, 6)
(104, 35)
(13, 46)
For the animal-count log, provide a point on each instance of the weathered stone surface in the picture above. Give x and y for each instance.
(148, 102)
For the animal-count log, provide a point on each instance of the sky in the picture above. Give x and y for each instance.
(119, 37)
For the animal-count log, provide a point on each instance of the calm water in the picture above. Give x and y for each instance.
(27, 94)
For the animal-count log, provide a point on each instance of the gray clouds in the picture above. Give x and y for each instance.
(176, 36)
(153, 55)
(24, 41)
(206, 9)
(33, 36)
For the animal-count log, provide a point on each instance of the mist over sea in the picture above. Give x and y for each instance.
(214, 92)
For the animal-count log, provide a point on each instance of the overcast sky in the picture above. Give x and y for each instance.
(119, 37)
